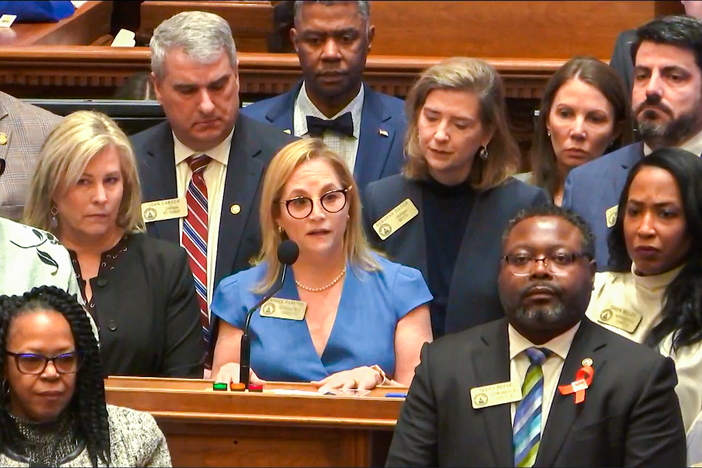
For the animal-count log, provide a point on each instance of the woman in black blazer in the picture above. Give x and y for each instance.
(140, 290)
(445, 214)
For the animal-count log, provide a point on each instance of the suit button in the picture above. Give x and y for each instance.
(102, 282)
(112, 325)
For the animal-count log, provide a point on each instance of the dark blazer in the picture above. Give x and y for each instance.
(630, 416)
(475, 277)
(621, 58)
(147, 312)
(378, 155)
(593, 188)
(253, 146)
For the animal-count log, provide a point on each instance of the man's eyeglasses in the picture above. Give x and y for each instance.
(332, 201)
(35, 364)
(522, 264)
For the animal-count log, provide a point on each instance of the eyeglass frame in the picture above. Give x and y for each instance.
(47, 359)
(344, 191)
(548, 265)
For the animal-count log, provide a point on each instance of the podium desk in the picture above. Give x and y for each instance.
(223, 428)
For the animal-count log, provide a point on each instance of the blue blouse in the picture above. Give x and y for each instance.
(363, 333)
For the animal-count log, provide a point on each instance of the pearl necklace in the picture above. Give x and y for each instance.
(336, 280)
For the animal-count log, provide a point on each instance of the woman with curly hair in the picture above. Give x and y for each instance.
(52, 397)
(654, 294)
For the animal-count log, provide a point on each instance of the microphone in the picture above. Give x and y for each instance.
(288, 252)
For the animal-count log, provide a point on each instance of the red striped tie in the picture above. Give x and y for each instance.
(195, 235)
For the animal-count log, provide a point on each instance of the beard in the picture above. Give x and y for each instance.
(538, 317)
(659, 134)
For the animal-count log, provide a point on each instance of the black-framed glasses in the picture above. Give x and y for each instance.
(3, 163)
(521, 264)
(332, 202)
(35, 364)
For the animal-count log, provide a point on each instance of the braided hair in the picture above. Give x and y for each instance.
(88, 401)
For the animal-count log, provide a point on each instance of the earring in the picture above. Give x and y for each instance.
(483, 153)
(548, 133)
(5, 387)
(54, 220)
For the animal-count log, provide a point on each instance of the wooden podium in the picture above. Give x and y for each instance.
(211, 428)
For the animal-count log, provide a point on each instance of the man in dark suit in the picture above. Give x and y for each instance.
(545, 387)
(667, 104)
(332, 41)
(206, 162)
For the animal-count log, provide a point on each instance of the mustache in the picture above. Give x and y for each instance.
(554, 289)
(654, 102)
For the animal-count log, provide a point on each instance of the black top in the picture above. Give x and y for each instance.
(446, 213)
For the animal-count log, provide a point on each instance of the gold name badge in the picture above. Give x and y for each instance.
(164, 209)
(496, 394)
(395, 219)
(287, 309)
(611, 216)
(617, 317)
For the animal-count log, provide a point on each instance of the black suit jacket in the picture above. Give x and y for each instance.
(474, 281)
(621, 58)
(147, 312)
(630, 416)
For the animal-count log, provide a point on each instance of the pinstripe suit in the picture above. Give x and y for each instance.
(25, 127)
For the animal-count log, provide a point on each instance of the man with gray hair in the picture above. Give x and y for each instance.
(202, 169)
(332, 40)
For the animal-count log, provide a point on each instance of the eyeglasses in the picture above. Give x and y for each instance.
(521, 264)
(301, 207)
(35, 364)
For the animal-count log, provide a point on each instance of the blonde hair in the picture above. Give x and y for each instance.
(62, 160)
(471, 76)
(279, 172)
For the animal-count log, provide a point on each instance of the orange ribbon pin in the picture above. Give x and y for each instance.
(583, 379)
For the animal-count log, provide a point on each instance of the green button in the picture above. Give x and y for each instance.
(219, 386)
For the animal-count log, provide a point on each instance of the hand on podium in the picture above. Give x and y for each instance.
(361, 378)
(229, 373)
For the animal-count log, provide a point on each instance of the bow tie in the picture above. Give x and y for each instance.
(342, 125)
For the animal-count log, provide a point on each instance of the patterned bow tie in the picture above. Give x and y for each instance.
(342, 125)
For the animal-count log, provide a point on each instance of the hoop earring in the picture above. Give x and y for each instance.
(5, 387)
(483, 153)
(54, 220)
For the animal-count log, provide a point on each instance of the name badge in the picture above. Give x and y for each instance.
(611, 216)
(7, 20)
(287, 309)
(395, 219)
(619, 318)
(496, 394)
(161, 210)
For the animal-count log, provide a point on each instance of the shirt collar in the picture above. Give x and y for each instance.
(304, 103)
(559, 345)
(693, 145)
(219, 153)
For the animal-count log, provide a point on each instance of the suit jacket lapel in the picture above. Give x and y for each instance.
(161, 184)
(416, 240)
(373, 147)
(564, 412)
(243, 176)
(492, 366)
(281, 114)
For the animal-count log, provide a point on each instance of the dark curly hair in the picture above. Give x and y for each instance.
(682, 303)
(89, 399)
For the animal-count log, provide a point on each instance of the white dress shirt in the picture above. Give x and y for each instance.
(519, 365)
(693, 145)
(215, 175)
(345, 146)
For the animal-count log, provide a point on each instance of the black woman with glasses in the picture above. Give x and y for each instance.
(654, 293)
(353, 319)
(52, 401)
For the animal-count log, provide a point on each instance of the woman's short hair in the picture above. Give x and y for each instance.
(477, 77)
(279, 172)
(62, 160)
(682, 309)
(598, 75)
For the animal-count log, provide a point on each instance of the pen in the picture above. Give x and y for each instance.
(396, 395)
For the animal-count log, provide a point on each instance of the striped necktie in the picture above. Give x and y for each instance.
(526, 429)
(194, 237)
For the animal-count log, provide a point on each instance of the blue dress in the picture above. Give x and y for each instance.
(363, 333)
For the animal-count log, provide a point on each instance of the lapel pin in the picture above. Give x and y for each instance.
(287, 130)
(235, 209)
(383, 132)
(587, 361)
(3, 139)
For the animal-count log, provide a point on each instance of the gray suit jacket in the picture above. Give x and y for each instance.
(25, 127)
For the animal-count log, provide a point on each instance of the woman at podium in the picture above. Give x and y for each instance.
(345, 316)
(52, 400)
